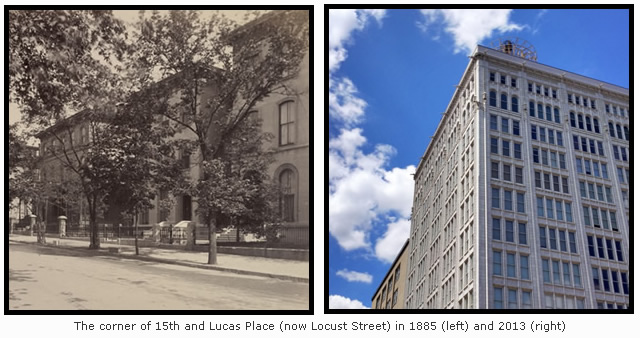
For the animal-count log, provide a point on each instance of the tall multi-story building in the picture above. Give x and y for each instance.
(522, 196)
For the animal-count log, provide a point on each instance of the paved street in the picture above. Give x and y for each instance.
(55, 278)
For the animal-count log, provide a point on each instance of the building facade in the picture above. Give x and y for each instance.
(286, 117)
(522, 196)
(390, 293)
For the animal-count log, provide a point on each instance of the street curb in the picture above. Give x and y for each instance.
(184, 263)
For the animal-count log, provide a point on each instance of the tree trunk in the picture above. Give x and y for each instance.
(135, 236)
(93, 227)
(213, 243)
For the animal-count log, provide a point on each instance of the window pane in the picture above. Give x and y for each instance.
(524, 267)
(522, 237)
(508, 231)
(511, 265)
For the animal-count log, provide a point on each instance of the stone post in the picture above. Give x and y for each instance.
(62, 226)
(32, 223)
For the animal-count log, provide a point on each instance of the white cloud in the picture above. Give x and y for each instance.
(344, 105)
(339, 302)
(361, 190)
(469, 27)
(342, 22)
(389, 245)
(354, 276)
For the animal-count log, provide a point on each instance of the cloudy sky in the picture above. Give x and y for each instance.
(391, 76)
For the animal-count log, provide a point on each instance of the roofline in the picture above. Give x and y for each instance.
(406, 243)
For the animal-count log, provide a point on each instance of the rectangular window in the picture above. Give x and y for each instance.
(545, 271)
(559, 211)
(496, 229)
(576, 144)
(537, 89)
(549, 208)
(534, 132)
(494, 145)
(625, 284)
(494, 170)
(619, 251)
(586, 215)
(546, 91)
(517, 152)
(614, 223)
(497, 263)
(559, 138)
(543, 237)
(592, 193)
(609, 249)
(513, 298)
(572, 242)
(592, 251)
(554, 93)
(592, 146)
(540, 204)
(553, 244)
(524, 267)
(614, 281)
(532, 109)
(567, 212)
(547, 181)
(596, 278)
(536, 157)
(493, 122)
(565, 185)
(600, 247)
(545, 157)
(513, 82)
(569, 98)
(552, 137)
(587, 167)
(583, 189)
(511, 265)
(600, 149)
(605, 280)
(556, 183)
(563, 240)
(497, 298)
(554, 160)
(605, 173)
(548, 111)
(492, 76)
(538, 179)
(520, 197)
(556, 114)
(583, 141)
(508, 202)
(600, 191)
(596, 169)
(566, 274)
(287, 123)
(495, 198)
(522, 237)
(503, 79)
(530, 87)
(519, 178)
(540, 112)
(605, 219)
(543, 134)
(508, 225)
(616, 154)
(505, 148)
(579, 166)
(556, 272)
(516, 127)
(620, 175)
(506, 172)
(505, 124)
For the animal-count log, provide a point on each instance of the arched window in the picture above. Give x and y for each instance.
(514, 104)
(287, 123)
(612, 132)
(596, 125)
(532, 109)
(288, 187)
(503, 101)
(626, 133)
(572, 119)
(492, 99)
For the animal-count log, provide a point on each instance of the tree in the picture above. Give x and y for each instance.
(136, 160)
(61, 62)
(215, 73)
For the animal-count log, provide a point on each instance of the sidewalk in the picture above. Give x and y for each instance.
(296, 271)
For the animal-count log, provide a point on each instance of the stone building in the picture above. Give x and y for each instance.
(522, 196)
(284, 116)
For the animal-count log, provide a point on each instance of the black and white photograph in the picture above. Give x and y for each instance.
(158, 159)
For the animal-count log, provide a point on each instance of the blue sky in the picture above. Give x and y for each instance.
(392, 74)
